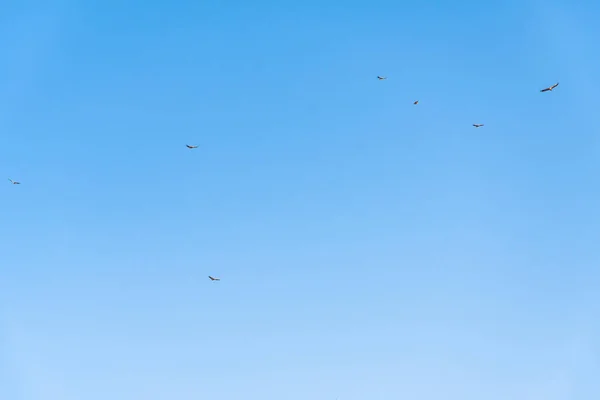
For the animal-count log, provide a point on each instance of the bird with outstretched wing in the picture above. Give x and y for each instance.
(550, 88)
(213, 278)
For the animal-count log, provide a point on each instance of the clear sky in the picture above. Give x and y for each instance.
(368, 248)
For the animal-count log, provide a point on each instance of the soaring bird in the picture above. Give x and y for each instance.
(416, 102)
(549, 89)
(191, 147)
(14, 182)
(381, 78)
(477, 125)
(213, 278)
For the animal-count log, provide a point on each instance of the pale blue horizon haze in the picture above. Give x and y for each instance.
(368, 248)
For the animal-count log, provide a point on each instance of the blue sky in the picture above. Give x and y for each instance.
(368, 248)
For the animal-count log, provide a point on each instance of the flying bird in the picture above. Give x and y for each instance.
(14, 182)
(549, 89)
(381, 78)
(191, 147)
(477, 125)
(416, 102)
(213, 278)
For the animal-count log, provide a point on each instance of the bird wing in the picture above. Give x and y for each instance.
(545, 90)
(555, 85)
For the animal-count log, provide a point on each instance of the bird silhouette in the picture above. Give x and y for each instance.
(14, 182)
(550, 88)
(213, 278)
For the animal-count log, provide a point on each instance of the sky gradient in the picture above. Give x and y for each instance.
(368, 248)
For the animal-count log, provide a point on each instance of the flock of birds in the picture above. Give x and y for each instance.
(381, 78)
(548, 89)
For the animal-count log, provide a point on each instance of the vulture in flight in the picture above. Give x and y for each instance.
(477, 125)
(213, 278)
(381, 78)
(549, 89)
(191, 147)
(416, 102)
(14, 182)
